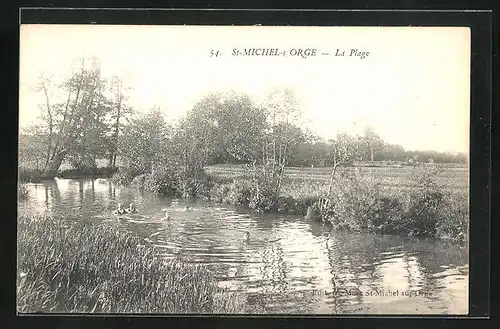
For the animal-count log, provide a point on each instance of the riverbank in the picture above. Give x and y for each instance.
(410, 201)
(72, 266)
(425, 205)
(360, 205)
(34, 176)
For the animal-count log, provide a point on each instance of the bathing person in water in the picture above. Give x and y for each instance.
(131, 208)
(246, 239)
(188, 208)
(120, 209)
(167, 216)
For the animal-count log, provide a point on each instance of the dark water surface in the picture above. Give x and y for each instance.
(288, 266)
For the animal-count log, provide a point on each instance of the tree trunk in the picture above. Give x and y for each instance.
(116, 132)
(50, 123)
(52, 167)
(111, 159)
(332, 175)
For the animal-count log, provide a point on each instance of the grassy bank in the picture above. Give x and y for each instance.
(428, 201)
(360, 204)
(103, 172)
(27, 175)
(83, 267)
(32, 175)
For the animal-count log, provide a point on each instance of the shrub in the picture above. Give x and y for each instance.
(218, 192)
(388, 217)
(204, 187)
(286, 204)
(353, 203)
(192, 182)
(87, 171)
(239, 193)
(453, 217)
(299, 188)
(138, 181)
(168, 179)
(163, 181)
(423, 214)
(28, 175)
(358, 202)
(189, 187)
(264, 199)
(218, 178)
(23, 192)
(124, 176)
(314, 213)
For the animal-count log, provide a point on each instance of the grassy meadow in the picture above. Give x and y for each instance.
(311, 182)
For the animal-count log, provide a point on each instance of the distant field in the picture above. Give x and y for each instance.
(460, 174)
(314, 181)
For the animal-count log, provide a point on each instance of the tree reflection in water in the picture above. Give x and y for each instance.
(386, 263)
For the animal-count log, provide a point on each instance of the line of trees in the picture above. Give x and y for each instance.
(319, 153)
(87, 118)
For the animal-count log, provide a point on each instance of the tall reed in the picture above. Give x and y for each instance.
(69, 267)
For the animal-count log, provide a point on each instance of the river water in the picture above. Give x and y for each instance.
(288, 265)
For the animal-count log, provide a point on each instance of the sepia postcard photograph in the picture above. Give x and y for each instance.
(195, 169)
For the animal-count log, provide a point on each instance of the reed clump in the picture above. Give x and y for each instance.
(83, 267)
(23, 192)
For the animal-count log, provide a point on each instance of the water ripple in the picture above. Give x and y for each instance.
(287, 265)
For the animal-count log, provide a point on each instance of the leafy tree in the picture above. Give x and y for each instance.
(283, 116)
(93, 139)
(67, 122)
(32, 147)
(223, 126)
(119, 111)
(344, 152)
(393, 152)
(283, 112)
(145, 142)
(372, 144)
(291, 138)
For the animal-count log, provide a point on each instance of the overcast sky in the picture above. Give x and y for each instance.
(413, 87)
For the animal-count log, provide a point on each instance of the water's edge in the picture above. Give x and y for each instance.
(289, 265)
